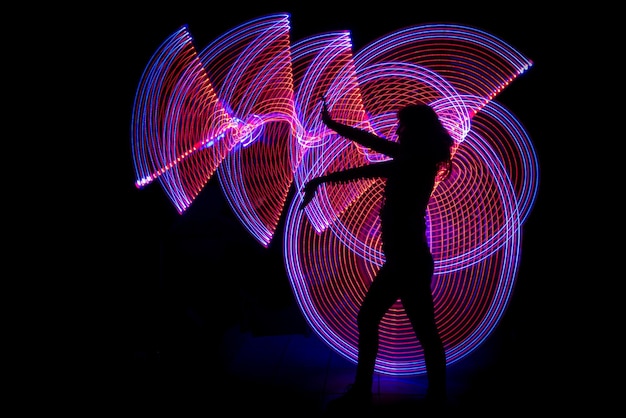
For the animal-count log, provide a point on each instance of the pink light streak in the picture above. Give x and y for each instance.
(246, 110)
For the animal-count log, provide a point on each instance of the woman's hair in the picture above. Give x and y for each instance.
(422, 120)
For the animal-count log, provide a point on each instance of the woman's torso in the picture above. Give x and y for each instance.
(407, 192)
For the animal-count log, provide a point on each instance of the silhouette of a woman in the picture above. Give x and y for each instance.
(420, 157)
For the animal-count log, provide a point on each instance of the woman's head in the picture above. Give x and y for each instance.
(420, 130)
(420, 119)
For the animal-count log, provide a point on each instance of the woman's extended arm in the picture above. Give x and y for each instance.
(360, 136)
(366, 171)
(362, 172)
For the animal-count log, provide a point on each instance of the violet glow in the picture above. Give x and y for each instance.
(246, 110)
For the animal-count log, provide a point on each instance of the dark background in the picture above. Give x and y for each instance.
(142, 280)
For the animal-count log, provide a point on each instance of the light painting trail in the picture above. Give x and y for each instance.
(246, 110)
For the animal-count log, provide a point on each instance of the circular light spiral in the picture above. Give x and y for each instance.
(246, 109)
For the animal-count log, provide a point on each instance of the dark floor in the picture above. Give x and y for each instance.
(271, 363)
(213, 342)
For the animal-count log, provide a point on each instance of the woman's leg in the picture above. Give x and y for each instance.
(379, 298)
(419, 306)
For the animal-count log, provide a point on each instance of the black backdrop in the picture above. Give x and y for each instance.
(134, 278)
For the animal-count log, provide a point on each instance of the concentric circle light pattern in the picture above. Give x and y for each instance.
(246, 109)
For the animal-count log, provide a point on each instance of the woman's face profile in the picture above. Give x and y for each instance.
(400, 128)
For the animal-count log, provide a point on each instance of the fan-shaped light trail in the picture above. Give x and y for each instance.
(245, 109)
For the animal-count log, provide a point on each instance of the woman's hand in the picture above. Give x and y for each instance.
(309, 192)
(325, 113)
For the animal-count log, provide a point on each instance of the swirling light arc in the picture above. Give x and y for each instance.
(245, 109)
